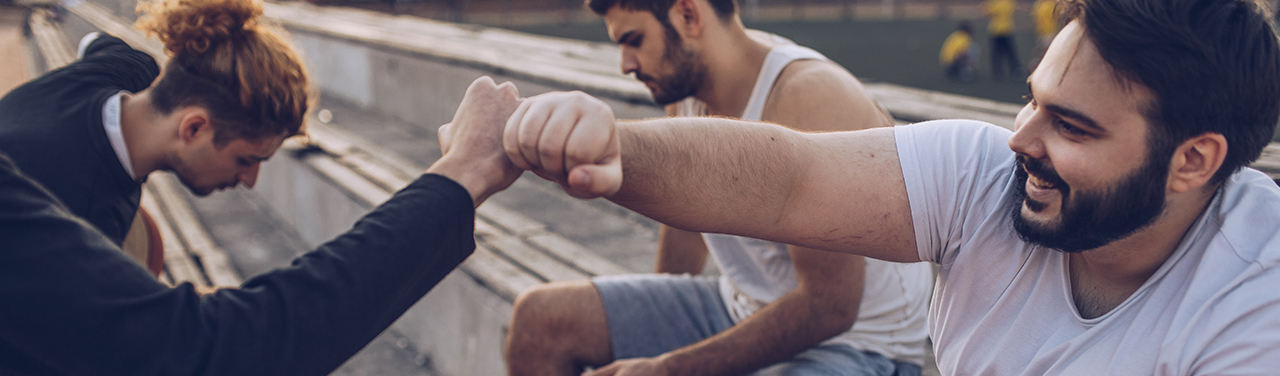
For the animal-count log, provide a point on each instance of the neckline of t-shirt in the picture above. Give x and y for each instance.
(1184, 246)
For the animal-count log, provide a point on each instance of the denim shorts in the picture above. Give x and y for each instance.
(651, 314)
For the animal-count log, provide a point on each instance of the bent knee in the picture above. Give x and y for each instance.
(556, 307)
(560, 322)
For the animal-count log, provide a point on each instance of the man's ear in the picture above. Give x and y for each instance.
(687, 18)
(1195, 161)
(191, 124)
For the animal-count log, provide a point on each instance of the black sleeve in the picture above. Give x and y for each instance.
(71, 303)
(106, 43)
(126, 67)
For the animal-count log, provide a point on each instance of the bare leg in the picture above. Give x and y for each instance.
(557, 329)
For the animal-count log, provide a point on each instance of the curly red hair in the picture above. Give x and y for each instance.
(223, 58)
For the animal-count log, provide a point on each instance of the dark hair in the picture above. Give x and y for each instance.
(221, 58)
(1212, 65)
(660, 9)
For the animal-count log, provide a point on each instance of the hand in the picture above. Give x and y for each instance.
(472, 142)
(569, 138)
(632, 367)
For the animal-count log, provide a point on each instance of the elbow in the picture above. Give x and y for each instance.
(835, 317)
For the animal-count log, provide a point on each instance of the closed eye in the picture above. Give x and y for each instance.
(631, 39)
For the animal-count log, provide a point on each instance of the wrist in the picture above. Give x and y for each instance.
(471, 179)
(670, 364)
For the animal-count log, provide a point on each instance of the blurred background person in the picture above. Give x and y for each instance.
(1046, 28)
(957, 55)
(1000, 27)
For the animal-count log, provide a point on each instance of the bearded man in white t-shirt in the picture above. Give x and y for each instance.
(776, 309)
(1117, 231)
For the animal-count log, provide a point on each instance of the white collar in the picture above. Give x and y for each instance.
(111, 123)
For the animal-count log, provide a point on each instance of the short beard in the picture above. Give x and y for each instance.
(184, 172)
(1088, 220)
(687, 75)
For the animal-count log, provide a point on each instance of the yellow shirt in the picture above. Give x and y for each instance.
(956, 44)
(1046, 23)
(1001, 14)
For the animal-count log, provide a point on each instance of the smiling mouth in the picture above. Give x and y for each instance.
(1040, 183)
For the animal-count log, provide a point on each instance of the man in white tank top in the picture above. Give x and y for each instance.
(777, 309)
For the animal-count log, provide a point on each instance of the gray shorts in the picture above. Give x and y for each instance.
(651, 314)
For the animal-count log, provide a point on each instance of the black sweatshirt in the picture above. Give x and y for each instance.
(72, 304)
(52, 128)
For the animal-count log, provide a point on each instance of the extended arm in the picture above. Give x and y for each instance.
(832, 191)
(680, 251)
(72, 303)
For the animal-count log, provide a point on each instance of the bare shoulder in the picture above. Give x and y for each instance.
(816, 95)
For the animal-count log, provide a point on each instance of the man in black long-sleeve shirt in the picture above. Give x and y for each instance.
(52, 129)
(71, 303)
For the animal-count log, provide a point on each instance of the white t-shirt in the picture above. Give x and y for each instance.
(1004, 307)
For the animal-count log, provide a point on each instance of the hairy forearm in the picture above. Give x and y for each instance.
(695, 173)
(838, 191)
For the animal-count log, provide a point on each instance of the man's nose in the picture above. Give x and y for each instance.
(1026, 139)
(249, 176)
(629, 63)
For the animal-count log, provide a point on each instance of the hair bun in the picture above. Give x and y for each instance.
(193, 27)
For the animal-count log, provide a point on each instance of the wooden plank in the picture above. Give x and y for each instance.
(376, 172)
(404, 167)
(101, 18)
(177, 262)
(555, 61)
(494, 220)
(590, 66)
(216, 264)
(51, 40)
(953, 100)
(355, 185)
(574, 254)
(545, 267)
(498, 274)
(327, 138)
(509, 220)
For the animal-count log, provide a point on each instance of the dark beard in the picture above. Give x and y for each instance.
(181, 170)
(1088, 220)
(687, 75)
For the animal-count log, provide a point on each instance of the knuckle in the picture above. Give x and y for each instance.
(528, 143)
(549, 155)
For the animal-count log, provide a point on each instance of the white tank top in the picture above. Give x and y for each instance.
(891, 318)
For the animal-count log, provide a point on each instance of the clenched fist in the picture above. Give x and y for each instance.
(569, 138)
(472, 142)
